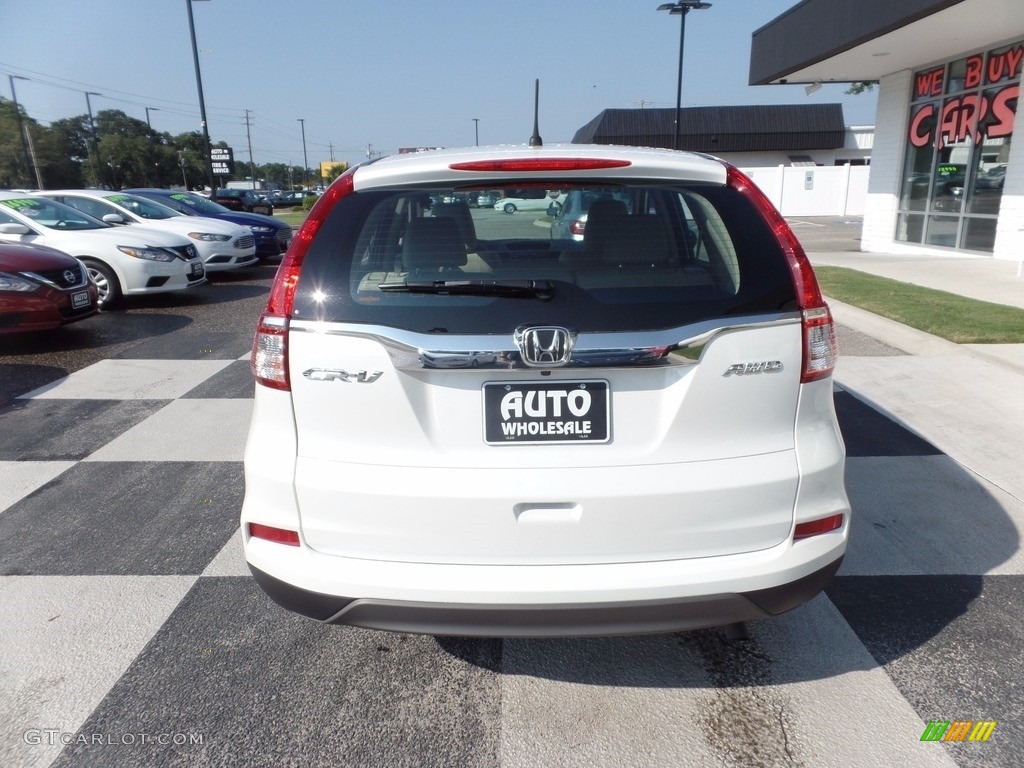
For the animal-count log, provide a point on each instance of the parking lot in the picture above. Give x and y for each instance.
(135, 635)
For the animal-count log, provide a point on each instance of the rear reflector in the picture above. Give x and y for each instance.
(815, 527)
(534, 164)
(277, 535)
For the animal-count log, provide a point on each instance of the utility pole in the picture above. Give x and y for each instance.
(35, 160)
(22, 129)
(305, 160)
(92, 134)
(252, 165)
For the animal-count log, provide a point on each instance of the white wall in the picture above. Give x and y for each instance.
(814, 190)
(887, 161)
(1010, 229)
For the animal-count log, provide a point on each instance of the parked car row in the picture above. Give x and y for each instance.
(290, 199)
(485, 199)
(246, 200)
(272, 235)
(221, 244)
(68, 253)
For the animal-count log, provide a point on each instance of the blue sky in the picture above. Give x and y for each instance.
(388, 74)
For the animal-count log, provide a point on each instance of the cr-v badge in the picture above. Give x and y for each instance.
(544, 346)
(336, 374)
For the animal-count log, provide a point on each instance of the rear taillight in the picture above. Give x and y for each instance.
(817, 527)
(577, 227)
(269, 359)
(276, 535)
(820, 349)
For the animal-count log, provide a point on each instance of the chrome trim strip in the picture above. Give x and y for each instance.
(83, 277)
(411, 351)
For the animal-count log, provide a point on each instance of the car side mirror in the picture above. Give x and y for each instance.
(14, 229)
(114, 218)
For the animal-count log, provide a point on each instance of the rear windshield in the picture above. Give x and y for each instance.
(594, 258)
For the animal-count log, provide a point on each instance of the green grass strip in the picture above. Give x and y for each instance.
(293, 218)
(952, 317)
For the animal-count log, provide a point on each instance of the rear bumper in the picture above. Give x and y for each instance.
(549, 620)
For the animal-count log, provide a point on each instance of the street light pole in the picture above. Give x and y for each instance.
(148, 109)
(680, 9)
(305, 161)
(476, 129)
(202, 103)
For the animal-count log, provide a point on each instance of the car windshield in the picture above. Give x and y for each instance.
(199, 205)
(51, 214)
(143, 208)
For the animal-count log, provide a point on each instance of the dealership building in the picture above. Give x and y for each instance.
(945, 176)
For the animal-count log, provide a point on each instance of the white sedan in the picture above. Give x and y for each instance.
(530, 200)
(221, 244)
(120, 260)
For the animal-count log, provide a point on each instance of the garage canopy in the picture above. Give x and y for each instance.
(721, 129)
(843, 41)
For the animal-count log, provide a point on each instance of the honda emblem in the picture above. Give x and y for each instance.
(544, 346)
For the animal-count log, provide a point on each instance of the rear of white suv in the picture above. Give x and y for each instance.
(466, 426)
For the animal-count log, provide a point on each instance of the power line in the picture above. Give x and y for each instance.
(228, 123)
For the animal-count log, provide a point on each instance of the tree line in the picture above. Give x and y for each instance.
(124, 152)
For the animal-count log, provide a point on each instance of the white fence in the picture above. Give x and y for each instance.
(814, 190)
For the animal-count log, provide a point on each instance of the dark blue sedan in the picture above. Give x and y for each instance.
(272, 235)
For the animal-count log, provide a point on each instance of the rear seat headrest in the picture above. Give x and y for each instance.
(433, 244)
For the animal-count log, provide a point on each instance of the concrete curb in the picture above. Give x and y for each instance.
(915, 342)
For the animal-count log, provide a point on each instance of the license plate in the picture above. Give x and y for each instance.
(197, 269)
(80, 300)
(546, 412)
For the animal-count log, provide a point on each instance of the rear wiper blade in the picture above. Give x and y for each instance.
(524, 289)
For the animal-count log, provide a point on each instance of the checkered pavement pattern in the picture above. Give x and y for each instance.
(133, 634)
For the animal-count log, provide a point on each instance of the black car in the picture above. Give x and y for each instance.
(289, 199)
(246, 200)
(272, 235)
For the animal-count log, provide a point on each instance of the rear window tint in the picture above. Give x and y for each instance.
(652, 257)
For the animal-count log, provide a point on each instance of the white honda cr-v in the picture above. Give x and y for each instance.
(465, 426)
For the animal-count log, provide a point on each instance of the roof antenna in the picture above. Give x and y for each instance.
(536, 140)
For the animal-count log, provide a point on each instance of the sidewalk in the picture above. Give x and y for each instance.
(967, 400)
(977, 277)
